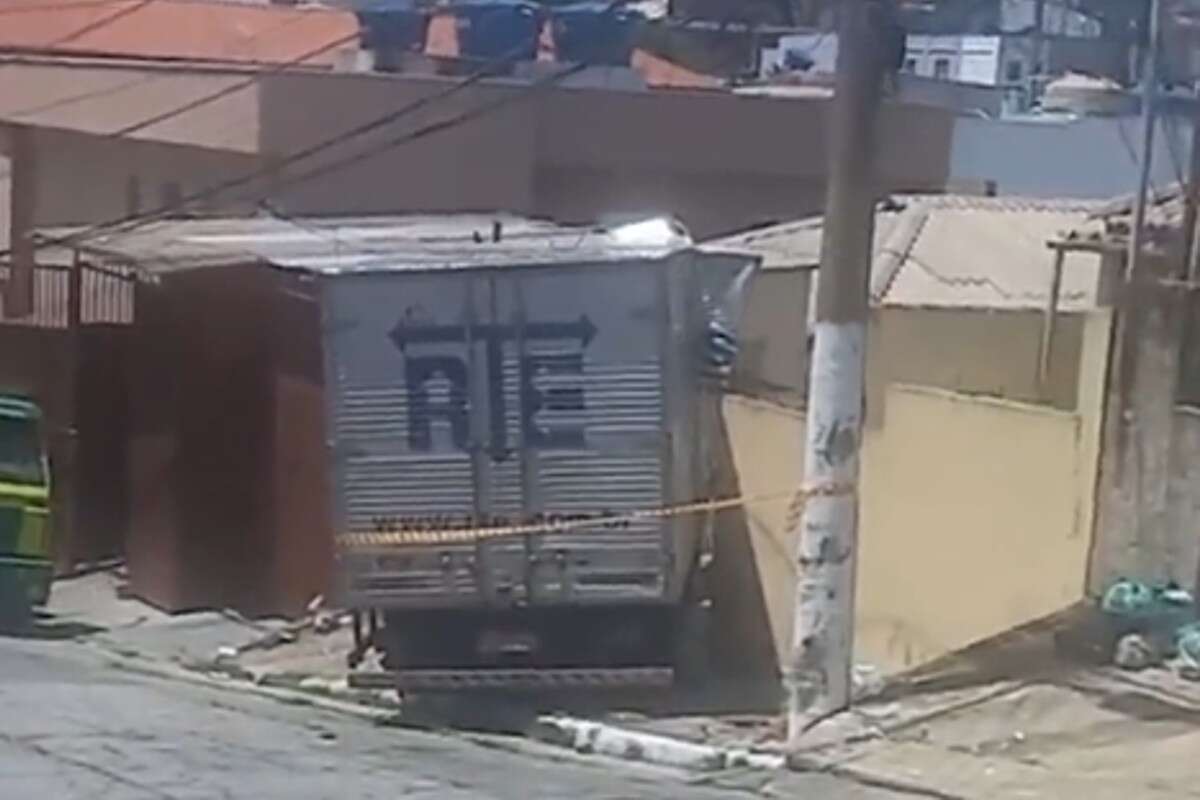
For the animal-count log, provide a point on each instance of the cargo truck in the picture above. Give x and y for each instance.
(520, 420)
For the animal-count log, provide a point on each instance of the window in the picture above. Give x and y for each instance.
(20, 451)
(910, 65)
(941, 69)
(1014, 71)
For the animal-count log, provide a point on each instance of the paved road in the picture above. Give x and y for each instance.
(73, 725)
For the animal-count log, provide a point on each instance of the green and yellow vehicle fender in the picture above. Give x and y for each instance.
(26, 565)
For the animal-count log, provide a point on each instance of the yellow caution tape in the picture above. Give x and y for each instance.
(393, 537)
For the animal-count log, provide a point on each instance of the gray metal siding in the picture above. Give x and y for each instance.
(579, 370)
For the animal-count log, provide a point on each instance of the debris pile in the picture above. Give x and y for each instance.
(1153, 626)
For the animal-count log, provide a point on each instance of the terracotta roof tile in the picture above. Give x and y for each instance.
(661, 73)
(198, 30)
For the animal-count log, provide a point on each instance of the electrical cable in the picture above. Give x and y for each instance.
(131, 222)
(198, 102)
(436, 127)
(99, 24)
(232, 88)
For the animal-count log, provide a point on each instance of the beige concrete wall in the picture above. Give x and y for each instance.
(976, 351)
(936, 347)
(977, 512)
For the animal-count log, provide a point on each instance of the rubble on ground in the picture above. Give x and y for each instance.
(1153, 626)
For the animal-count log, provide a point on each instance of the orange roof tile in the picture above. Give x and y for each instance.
(196, 30)
(661, 73)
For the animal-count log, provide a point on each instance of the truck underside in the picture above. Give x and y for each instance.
(623, 646)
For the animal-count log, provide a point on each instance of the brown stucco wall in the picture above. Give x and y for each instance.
(719, 161)
(229, 504)
(199, 440)
(87, 453)
(85, 179)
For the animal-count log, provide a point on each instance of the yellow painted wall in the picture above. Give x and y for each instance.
(977, 511)
(969, 523)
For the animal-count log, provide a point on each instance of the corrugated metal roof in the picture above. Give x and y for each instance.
(375, 244)
(953, 251)
(1166, 208)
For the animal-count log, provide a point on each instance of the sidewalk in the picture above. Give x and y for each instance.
(262, 651)
(1013, 721)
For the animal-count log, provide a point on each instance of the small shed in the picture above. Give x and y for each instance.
(953, 276)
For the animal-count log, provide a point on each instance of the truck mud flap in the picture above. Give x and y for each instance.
(450, 680)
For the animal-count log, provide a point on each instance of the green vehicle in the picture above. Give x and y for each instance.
(26, 567)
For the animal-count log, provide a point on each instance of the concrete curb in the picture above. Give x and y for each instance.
(585, 736)
(352, 706)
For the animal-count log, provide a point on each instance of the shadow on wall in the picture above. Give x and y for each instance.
(743, 648)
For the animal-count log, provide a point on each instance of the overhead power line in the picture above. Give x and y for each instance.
(133, 221)
(436, 127)
(100, 24)
(203, 100)
(91, 27)
(233, 88)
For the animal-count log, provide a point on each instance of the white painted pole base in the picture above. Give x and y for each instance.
(818, 681)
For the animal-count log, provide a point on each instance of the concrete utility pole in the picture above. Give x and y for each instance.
(818, 681)
(1191, 215)
(1150, 74)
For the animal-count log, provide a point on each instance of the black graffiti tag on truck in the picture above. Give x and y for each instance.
(454, 408)
(470, 522)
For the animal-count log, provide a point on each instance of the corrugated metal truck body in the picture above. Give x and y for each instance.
(492, 395)
(499, 396)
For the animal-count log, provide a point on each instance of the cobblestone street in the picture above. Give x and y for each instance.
(76, 726)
